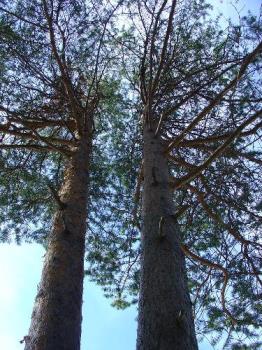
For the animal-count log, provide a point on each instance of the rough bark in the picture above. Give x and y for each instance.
(165, 320)
(56, 317)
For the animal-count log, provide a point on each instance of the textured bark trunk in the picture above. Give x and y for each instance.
(165, 320)
(56, 318)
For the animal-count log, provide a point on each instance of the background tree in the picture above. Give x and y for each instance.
(200, 90)
(56, 82)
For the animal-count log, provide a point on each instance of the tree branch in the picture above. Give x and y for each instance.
(246, 62)
(216, 266)
(198, 170)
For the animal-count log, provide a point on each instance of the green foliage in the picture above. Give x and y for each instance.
(106, 64)
(26, 204)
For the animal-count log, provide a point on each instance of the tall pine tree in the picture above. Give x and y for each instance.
(200, 97)
(57, 81)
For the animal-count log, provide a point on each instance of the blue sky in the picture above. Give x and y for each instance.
(103, 326)
(228, 10)
(20, 269)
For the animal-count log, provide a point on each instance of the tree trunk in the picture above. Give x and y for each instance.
(165, 320)
(56, 318)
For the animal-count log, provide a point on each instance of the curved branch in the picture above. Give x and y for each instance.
(216, 266)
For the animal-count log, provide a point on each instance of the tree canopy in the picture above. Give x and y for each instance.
(197, 83)
(55, 66)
